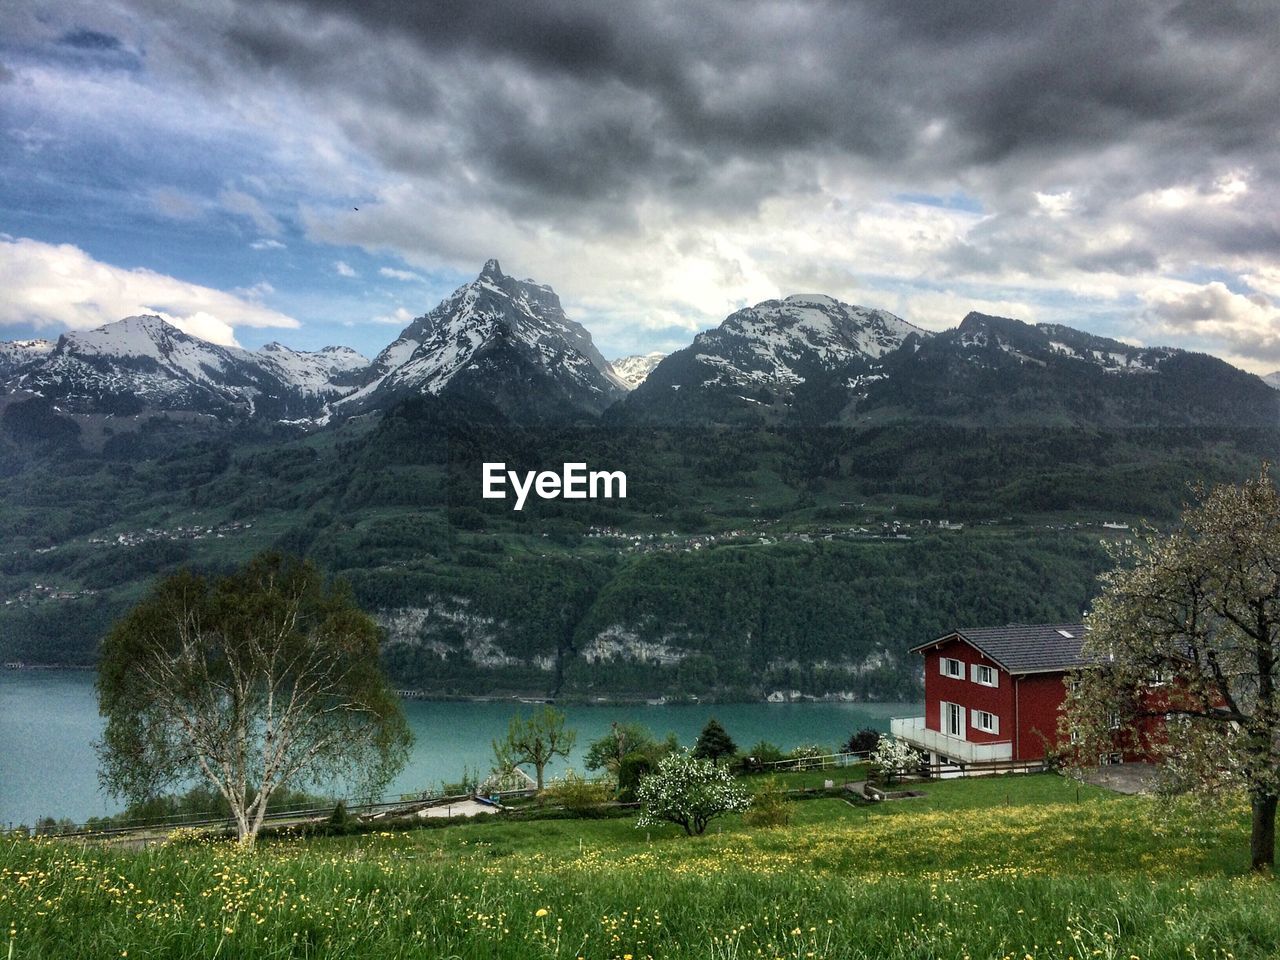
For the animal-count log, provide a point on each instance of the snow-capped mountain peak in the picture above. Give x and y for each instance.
(495, 337)
(145, 363)
(633, 370)
(782, 342)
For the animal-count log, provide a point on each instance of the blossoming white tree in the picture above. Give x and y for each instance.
(689, 791)
(1185, 644)
(894, 757)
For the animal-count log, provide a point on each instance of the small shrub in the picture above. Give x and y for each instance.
(769, 807)
(340, 821)
(578, 795)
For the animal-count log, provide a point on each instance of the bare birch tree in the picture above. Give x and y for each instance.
(1185, 639)
(259, 680)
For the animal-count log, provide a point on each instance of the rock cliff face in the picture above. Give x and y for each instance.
(446, 627)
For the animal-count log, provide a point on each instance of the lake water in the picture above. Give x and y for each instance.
(49, 720)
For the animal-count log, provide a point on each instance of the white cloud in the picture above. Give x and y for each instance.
(344, 269)
(266, 243)
(1245, 327)
(61, 287)
(399, 317)
(175, 204)
(1055, 204)
(392, 274)
(256, 292)
(245, 205)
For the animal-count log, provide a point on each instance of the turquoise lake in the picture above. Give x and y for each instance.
(49, 720)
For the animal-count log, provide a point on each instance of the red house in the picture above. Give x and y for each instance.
(993, 694)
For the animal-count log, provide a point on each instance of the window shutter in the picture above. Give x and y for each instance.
(995, 724)
(942, 666)
(973, 672)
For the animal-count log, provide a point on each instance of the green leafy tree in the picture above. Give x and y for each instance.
(714, 743)
(536, 741)
(622, 739)
(861, 741)
(631, 772)
(1186, 638)
(257, 681)
(690, 791)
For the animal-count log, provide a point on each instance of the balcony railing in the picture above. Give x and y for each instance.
(913, 730)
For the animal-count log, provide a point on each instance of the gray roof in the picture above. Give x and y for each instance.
(1025, 648)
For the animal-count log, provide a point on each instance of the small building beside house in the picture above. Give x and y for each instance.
(993, 694)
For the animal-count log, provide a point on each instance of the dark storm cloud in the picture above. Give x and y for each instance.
(1081, 148)
(594, 101)
(83, 39)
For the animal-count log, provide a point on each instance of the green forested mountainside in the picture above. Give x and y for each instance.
(743, 561)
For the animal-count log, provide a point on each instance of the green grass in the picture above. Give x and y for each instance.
(1010, 867)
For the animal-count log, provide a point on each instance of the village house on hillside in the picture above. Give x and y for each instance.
(994, 694)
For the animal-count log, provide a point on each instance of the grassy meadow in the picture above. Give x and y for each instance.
(1015, 867)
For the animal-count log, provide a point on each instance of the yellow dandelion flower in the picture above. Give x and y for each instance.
(542, 912)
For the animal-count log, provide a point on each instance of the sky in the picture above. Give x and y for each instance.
(322, 171)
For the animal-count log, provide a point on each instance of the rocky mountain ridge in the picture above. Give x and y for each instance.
(508, 345)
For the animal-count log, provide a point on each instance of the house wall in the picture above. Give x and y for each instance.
(1040, 698)
(964, 691)
(1028, 705)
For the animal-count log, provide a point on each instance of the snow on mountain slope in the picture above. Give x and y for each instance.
(320, 371)
(1272, 379)
(499, 338)
(634, 369)
(780, 343)
(805, 357)
(17, 353)
(144, 362)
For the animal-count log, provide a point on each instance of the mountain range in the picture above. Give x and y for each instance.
(508, 345)
(789, 472)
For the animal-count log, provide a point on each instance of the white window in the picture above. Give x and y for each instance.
(985, 721)
(953, 719)
(1114, 719)
(985, 675)
(951, 668)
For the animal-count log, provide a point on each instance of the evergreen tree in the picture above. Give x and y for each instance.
(714, 743)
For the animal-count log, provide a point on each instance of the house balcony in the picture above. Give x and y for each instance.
(913, 730)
